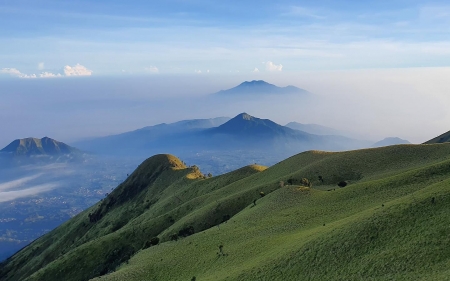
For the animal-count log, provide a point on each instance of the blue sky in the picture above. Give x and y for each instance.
(185, 37)
(150, 62)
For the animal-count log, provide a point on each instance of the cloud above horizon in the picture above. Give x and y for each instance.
(305, 36)
(16, 73)
(76, 70)
(270, 66)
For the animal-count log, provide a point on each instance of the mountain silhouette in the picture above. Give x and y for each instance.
(260, 87)
(37, 147)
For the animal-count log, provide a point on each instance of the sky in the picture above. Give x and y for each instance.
(77, 69)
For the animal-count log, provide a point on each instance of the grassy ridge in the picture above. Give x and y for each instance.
(385, 229)
(378, 227)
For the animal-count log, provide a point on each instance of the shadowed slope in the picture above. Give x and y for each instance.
(440, 139)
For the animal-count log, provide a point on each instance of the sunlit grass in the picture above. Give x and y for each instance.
(384, 225)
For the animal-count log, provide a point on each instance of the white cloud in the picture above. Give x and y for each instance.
(41, 66)
(198, 71)
(270, 66)
(152, 69)
(255, 70)
(77, 70)
(49, 75)
(15, 72)
(11, 71)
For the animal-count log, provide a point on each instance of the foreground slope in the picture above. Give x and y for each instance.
(389, 223)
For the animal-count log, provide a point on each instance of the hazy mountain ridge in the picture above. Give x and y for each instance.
(130, 142)
(390, 141)
(260, 87)
(241, 132)
(314, 129)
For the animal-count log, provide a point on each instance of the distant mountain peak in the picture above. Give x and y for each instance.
(255, 82)
(260, 87)
(35, 146)
(390, 141)
(245, 116)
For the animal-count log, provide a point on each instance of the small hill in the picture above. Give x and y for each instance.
(390, 141)
(390, 222)
(260, 87)
(440, 139)
(38, 147)
(313, 129)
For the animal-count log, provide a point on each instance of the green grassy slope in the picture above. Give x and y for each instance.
(383, 226)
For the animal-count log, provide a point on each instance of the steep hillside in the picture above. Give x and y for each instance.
(38, 147)
(389, 222)
(440, 139)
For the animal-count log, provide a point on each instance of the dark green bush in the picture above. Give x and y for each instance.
(154, 241)
(342, 184)
(187, 231)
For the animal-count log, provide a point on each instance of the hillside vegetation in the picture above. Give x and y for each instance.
(389, 222)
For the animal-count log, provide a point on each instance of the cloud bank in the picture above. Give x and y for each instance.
(16, 73)
(76, 70)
